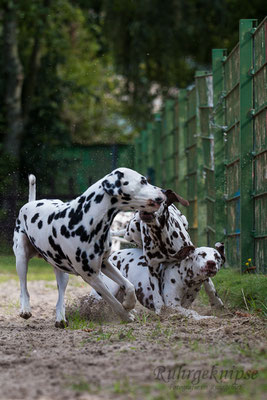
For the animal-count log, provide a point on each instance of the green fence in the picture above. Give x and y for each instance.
(78, 167)
(210, 145)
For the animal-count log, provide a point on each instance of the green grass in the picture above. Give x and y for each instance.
(241, 291)
(38, 269)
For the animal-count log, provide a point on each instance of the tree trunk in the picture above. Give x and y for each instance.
(13, 83)
(13, 80)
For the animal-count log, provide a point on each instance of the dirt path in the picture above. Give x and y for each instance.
(153, 358)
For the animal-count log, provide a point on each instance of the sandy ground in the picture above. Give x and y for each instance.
(164, 357)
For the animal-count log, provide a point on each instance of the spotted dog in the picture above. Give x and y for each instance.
(163, 237)
(179, 282)
(74, 237)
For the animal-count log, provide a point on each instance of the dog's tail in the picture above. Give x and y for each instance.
(32, 187)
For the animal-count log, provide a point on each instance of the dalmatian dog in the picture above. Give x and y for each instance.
(163, 237)
(74, 237)
(179, 282)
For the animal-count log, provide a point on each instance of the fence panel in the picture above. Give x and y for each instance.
(232, 155)
(260, 146)
(213, 151)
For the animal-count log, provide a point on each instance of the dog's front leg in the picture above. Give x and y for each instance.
(176, 305)
(113, 273)
(214, 299)
(157, 297)
(191, 313)
(62, 282)
(96, 281)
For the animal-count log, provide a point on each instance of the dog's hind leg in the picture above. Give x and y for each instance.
(62, 282)
(23, 251)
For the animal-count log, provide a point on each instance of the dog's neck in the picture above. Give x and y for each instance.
(96, 206)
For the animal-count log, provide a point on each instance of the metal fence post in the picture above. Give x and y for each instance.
(150, 153)
(180, 183)
(144, 152)
(192, 164)
(246, 140)
(158, 149)
(169, 144)
(218, 115)
(205, 188)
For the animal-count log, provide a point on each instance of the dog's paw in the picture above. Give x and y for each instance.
(61, 324)
(128, 316)
(129, 300)
(25, 314)
(218, 306)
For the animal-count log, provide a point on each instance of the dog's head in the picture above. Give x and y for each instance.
(132, 190)
(167, 229)
(205, 262)
(162, 213)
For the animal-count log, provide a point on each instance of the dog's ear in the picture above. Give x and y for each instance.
(112, 183)
(219, 246)
(173, 197)
(184, 252)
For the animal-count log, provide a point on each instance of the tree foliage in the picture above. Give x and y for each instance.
(90, 69)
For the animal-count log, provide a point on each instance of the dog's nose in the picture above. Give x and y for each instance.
(211, 265)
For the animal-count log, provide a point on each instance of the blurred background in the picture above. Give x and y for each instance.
(79, 80)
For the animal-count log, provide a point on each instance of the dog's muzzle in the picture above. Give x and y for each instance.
(146, 216)
(155, 203)
(210, 268)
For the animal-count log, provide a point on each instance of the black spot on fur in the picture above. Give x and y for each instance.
(99, 198)
(143, 181)
(64, 231)
(119, 174)
(88, 198)
(78, 254)
(25, 219)
(50, 218)
(40, 224)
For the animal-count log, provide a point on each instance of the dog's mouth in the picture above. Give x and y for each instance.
(146, 216)
(210, 272)
(154, 204)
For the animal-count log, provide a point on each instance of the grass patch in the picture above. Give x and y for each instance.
(241, 291)
(76, 322)
(38, 269)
